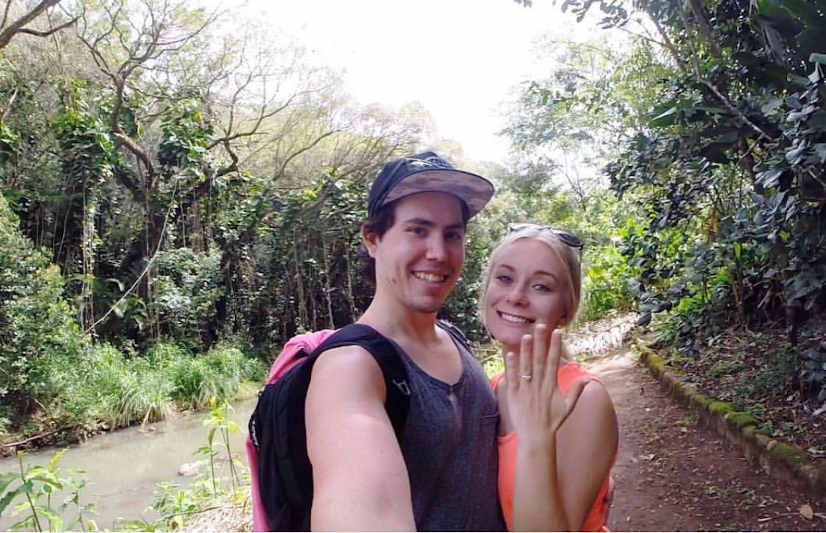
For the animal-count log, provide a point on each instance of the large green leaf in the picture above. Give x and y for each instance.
(27, 524)
(7, 499)
(53, 516)
(666, 118)
(56, 459)
(6, 479)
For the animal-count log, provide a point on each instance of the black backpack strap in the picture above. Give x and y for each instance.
(387, 355)
(456, 334)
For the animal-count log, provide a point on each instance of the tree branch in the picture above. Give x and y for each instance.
(736, 111)
(302, 150)
(132, 146)
(667, 42)
(17, 26)
(51, 31)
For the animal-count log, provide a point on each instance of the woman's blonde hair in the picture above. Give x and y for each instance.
(567, 253)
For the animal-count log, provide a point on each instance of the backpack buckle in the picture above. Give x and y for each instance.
(401, 384)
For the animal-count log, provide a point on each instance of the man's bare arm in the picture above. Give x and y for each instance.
(360, 480)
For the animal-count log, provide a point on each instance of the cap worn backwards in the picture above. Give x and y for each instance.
(427, 172)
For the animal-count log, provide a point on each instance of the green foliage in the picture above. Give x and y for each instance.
(490, 356)
(8, 143)
(218, 422)
(308, 277)
(216, 374)
(105, 389)
(716, 141)
(185, 134)
(721, 368)
(761, 227)
(606, 285)
(156, 128)
(187, 285)
(36, 324)
(35, 487)
(461, 307)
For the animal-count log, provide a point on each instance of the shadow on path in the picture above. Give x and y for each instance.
(675, 474)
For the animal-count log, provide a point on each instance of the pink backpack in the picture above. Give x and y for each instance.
(287, 359)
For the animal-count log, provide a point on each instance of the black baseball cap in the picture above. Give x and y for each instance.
(427, 172)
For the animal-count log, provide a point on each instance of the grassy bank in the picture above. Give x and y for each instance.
(104, 389)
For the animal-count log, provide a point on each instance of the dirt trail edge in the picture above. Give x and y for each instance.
(673, 473)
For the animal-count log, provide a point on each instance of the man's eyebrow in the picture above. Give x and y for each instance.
(430, 223)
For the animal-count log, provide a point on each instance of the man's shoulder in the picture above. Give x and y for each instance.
(345, 378)
(346, 358)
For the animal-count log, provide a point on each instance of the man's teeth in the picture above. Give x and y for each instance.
(514, 318)
(429, 276)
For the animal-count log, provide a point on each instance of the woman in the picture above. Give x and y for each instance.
(557, 476)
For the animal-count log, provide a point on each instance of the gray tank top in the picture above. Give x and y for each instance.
(449, 447)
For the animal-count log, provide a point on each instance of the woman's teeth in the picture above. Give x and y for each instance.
(514, 318)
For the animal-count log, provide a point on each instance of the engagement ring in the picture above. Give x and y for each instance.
(526, 377)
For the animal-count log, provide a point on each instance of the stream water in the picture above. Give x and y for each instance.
(122, 467)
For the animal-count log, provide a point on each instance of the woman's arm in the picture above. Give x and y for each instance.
(563, 441)
(586, 447)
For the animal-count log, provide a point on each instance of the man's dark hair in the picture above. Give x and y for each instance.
(381, 221)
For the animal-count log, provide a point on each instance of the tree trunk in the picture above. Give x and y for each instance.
(327, 288)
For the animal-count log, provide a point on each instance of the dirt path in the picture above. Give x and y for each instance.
(675, 474)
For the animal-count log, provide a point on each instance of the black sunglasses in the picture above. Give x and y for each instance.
(567, 238)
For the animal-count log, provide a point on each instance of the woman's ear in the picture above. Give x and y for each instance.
(369, 239)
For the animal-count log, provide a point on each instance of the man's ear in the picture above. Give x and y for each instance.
(369, 239)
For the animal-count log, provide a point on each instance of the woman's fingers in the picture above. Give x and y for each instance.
(540, 350)
(551, 349)
(512, 370)
(526, 358)
(554, 353)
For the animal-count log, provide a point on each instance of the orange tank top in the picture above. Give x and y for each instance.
(596, 518)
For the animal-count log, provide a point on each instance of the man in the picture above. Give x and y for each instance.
(441, 474)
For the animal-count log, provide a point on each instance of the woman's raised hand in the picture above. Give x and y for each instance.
(536, 405)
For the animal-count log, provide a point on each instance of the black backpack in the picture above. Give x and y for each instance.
(278, 432)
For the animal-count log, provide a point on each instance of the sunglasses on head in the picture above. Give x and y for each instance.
(567, 238)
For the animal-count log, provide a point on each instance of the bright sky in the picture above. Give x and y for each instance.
(459, 58)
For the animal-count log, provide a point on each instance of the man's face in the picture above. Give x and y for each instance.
(419, 259)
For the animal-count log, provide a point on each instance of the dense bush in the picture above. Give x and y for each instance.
(37, 328)
(216, 374)
(188, 285)
(607, 284)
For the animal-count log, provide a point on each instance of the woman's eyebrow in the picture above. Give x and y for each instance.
(536, 273)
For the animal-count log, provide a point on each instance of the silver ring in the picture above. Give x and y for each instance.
(526, 377)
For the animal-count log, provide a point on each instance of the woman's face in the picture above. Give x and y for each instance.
(528, 283)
